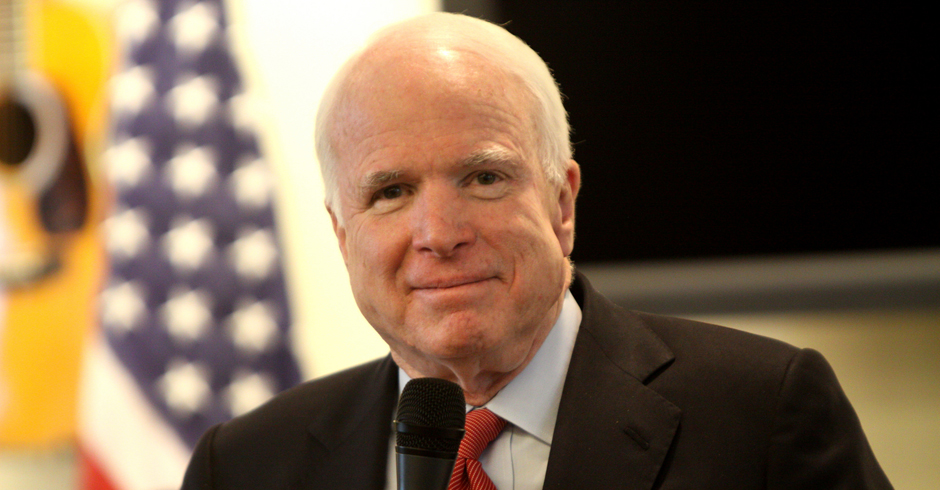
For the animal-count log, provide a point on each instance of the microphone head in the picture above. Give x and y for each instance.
(431, 415)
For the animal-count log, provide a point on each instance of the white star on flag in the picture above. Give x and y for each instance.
(187, 315)
(247, 391)
(253, 328)
(132, 90)
(253, 254)
(185, 386)
(191, 171)
(193, 100)
(128, 162)
(127, 233)
(251, 183)
(123, 306)
(188, 243)
(244, 111)
(136, 21)
(194, 27)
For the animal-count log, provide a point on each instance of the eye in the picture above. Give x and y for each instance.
(486, 178)
(389, 198)
(390, 192)
(488, 185)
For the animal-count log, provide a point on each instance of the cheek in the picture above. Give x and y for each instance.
(532, 234)
(536, 253)
(374, 253)
(373, 263)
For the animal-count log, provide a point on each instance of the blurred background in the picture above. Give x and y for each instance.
(166, 261)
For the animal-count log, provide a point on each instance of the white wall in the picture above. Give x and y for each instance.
(292, 48)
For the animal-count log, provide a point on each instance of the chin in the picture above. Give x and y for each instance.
(456, 349)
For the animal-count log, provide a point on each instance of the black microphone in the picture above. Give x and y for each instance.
(428, 430)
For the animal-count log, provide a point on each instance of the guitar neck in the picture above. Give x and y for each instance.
(12, 34)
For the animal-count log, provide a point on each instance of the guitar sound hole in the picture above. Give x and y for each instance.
(17, 132)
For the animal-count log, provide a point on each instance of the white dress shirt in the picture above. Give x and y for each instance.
(517, 459)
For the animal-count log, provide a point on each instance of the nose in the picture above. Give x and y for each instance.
(441, 226)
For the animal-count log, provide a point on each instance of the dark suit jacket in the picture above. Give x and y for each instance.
(649, 402)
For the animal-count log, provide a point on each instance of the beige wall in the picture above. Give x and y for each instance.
(889, 365)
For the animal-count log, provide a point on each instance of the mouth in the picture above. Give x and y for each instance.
(450, 283)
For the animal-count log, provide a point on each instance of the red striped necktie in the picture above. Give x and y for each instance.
(482, 427)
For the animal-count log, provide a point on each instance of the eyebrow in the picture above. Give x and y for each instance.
(377, 179)
(490, 156)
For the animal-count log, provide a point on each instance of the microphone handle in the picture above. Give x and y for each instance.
(417, 472)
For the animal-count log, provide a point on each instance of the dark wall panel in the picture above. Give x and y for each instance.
(726, 128)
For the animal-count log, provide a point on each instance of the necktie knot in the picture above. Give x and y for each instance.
(482, 427)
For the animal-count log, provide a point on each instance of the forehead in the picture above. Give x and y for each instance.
(429, 99)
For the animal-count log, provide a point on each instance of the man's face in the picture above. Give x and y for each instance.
(454, 240)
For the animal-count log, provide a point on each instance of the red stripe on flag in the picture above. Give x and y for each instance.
(91, 474)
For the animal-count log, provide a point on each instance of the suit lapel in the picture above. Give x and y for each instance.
(612, 430)
(351, 439)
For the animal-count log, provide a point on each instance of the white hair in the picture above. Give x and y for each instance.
(485, 39)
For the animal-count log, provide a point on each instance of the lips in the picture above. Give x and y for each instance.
(448, 283)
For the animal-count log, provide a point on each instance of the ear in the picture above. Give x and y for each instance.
(567, 194)
(339, 230)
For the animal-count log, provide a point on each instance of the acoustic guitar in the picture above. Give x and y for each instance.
(38, 154)
(55, 61)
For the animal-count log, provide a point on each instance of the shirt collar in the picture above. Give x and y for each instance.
(530, 401)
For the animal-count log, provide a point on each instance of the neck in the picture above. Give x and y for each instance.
(476, 375)
(479, 385)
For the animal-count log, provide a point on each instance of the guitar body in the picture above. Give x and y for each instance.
(36, 145)
(34, 130)
(52, 128)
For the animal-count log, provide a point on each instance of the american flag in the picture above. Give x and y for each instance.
(195, 318)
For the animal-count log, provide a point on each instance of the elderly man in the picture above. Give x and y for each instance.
(444, 148)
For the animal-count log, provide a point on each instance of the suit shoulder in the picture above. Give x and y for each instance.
(656, 341)
(278, 444)
(715, 361)
(709, 341)
(292, 410)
